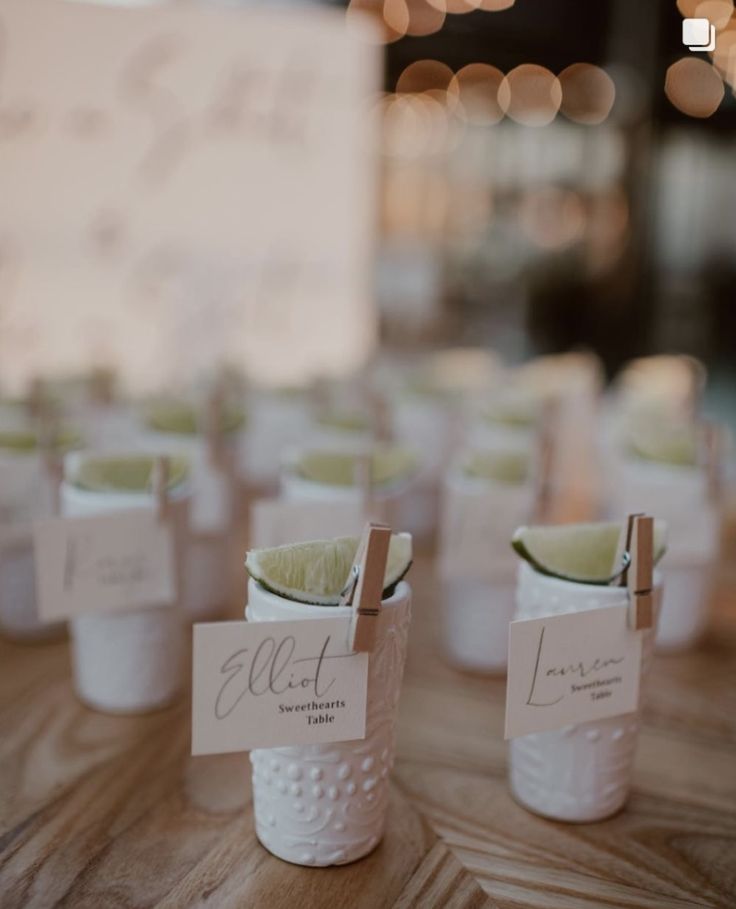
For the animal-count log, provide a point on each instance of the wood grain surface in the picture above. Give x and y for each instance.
(99, 811)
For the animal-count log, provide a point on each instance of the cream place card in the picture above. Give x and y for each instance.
(571, 668)
(275, 522)
(103, 563)
(265, 684)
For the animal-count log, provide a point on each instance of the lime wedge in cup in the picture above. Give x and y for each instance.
(116, 473)
(389, 464)
(317, 572)
(583, 553)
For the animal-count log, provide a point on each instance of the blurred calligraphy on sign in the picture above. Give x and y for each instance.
(183, 187)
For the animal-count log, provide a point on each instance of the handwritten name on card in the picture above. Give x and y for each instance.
(265, 684)
(571, 668)
(103, 563)
(275, 522)
(151, 157)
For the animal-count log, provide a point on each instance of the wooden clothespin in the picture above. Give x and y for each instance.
(213, 433)
(545, 457)
(363, 479)
(365, 587)
(160, 485)
(54, 465)
(712, 445)
(637, 539)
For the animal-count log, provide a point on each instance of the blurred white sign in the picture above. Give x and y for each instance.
(182, 185)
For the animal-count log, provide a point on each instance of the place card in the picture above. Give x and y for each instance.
(571, 668)
(276, 522)
(266, 684)
(103, 563)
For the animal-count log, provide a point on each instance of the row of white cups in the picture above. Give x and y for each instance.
(326, 804)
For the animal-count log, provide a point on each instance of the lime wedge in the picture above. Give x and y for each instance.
(676, 444)
(578, 552)
(501, 467)
(344, 421)
(182, 418)
(25, 441)
(124, 474)
(317, 572)
(337, 468)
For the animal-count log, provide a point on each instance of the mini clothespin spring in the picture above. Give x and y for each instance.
(364, 590)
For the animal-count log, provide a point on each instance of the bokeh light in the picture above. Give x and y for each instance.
(495, 6)
(424, 18)
(551, 217)
(424, 76)
(694, 87)
(476, 88)
(390, 16)
(724, 56)
(455, 7)
(588, 93)
(718, 12)
(530, 95)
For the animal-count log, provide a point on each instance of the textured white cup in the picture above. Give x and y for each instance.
(394, 503)
(678, 496)
(477, 605)
(131, 661)
(276, 421)
(26, 498)
(326, 804)
(580, 773)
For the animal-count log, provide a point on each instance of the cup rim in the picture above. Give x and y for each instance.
(400, 595)
(603, 590)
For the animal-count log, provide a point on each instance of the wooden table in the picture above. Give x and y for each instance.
(98, 811)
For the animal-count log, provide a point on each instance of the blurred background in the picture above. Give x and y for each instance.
(553, 175)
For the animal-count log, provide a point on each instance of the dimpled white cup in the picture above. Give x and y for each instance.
(326, 804)
(28, 499)
(131, 661)
(393, 503)
(580, 773)
(678, 496)
(476, 611)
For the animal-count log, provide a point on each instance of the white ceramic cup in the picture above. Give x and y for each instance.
(130, 661)
(677, 495)
(393, 503)
(580, 773)
(206, 591)
(478, 601)
(25, 498)
(326, 804)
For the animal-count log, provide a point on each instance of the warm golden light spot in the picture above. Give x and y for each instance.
(687, 8)
(495, 6)
(724, 56)
(424, 18)
(423, 75)
(390, 18)
(588, 93)
(552, 218)
(456, 7)
(694, 87)
(530, 95)
(718, 12)
(396, 16)
(476, 88)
